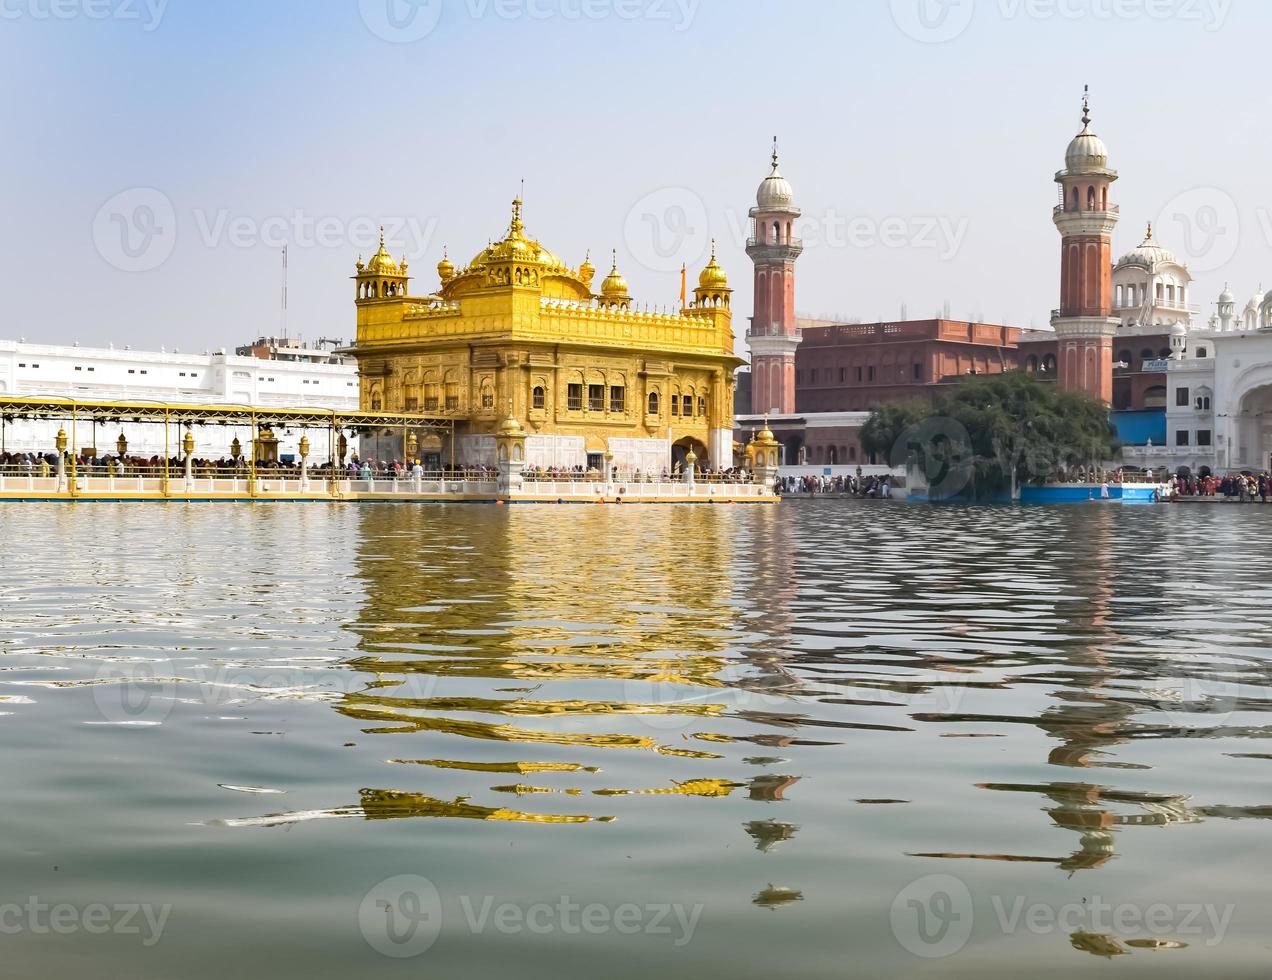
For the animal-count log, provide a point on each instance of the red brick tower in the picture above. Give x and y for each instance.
(1086, 220)
(774, 334)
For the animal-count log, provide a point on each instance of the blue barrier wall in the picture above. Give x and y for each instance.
(1137, 428)
(1067, 494)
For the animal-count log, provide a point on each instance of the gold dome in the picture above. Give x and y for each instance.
(382, 263)
(614, 286)
(713, 276)
(516, 247)
(587, 271)
(766, 434)
(446, 268)
(510, 427)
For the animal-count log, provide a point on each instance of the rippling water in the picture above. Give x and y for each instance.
(825, 739)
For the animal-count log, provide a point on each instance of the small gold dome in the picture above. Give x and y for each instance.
(614, 286)
(382, 263)
(587, 271)
(766, 434)
(446, 268)
(510, 427)
(713, 276)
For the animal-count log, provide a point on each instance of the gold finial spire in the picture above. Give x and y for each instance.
(774, 154)
(1086, 107)
(381, 236)
(517, 226)
(1150, 232)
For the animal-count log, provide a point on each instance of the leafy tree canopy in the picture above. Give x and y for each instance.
(993, 432)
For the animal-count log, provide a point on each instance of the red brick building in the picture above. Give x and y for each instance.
(853, 367)
(1140, 385)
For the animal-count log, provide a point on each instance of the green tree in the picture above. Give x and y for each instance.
(992, 433)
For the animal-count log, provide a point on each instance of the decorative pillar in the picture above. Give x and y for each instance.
(510, 450)
(187, 446)
(61, 444)
(304, 464)
(691, 462)
(767, 451)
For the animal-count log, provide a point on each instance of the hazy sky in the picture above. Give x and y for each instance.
(158, 155)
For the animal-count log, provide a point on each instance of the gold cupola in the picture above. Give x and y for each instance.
(382, 263)
(614, 288)
(713, 284)
(713, 276)
(587, 271)
(382, 277)
(446, 268)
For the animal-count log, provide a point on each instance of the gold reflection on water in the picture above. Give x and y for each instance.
(517, 767)
(386, 804)
(692, 787)
(1098, 944)
(644, 607)
(774, 897)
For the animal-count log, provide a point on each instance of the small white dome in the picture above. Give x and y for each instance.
(1148, 254)
(1086, 153)
(1177, 329)
(1227, 295)
(775, 192)
(1255, 302)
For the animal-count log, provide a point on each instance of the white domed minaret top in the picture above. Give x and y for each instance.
(1227, 309)
(1250, 316)
(1087, 153)
(775, 193)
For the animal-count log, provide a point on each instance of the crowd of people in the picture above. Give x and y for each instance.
(1242, 487)
(865, 487)
(581, 474)
(89, 465)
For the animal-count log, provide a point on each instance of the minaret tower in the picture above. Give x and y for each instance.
(774, 334)
(1086, 220)
(1227, 309)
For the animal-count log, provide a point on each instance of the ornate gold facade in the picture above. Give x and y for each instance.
(518, 331)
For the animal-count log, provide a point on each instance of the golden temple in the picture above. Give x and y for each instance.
(595, 382)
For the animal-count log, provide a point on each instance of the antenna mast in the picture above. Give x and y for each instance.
(284, 310)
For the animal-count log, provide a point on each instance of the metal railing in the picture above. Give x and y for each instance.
(630, 477)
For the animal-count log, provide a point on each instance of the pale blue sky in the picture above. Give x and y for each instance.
(924, 166)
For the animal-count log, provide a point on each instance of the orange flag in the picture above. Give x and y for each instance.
(684, 285)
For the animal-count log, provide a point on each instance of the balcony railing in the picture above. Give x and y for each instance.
(789, 243)
(1111, 209)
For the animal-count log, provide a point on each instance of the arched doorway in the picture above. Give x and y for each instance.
(680, 451)
(1253, 430)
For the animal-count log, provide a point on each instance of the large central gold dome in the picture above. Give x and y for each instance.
(516, 247)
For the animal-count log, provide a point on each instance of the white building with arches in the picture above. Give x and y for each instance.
(282, 375)
(1219, 401)
(1151, 291)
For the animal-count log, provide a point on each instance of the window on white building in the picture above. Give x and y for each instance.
(1203, 437)
(1182, 437)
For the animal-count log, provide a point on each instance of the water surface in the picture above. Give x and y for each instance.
(826, 739)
